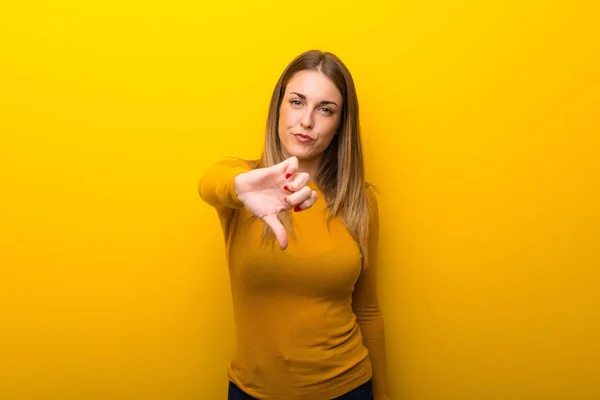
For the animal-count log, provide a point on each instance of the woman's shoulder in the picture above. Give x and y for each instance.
(237, 162)
(372, 192)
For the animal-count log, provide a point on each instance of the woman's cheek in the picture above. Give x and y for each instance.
(294, 117)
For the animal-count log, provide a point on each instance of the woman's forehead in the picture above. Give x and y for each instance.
(314, 85)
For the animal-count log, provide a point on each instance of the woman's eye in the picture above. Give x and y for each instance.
(327, 111)
(296, 102)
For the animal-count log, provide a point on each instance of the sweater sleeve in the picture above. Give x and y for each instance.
(216, 188)
(216, 184)
(365, 304)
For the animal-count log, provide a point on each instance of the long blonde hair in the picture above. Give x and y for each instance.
(341, 172)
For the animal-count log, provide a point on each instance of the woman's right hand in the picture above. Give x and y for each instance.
(266, 192)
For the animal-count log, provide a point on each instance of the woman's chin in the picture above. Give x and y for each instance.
(301, 154)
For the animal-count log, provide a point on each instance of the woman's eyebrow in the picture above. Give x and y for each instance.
(303, 97)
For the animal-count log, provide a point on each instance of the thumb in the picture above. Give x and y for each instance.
(278, 230)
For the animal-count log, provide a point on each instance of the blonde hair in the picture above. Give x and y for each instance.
(341, 172)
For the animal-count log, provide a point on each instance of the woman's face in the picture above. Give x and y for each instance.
(309, 115)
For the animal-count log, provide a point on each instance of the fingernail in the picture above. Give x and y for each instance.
(286, 188)
(287, 176)
(297, 208)
(285, 199)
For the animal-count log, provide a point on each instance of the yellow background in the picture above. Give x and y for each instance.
(480, 124)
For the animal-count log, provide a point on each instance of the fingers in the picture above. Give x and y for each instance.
(278, 230)
(283, 171)
(308, 202)
(297, 182)
(294, 182)
(304, 198)
(289, 166)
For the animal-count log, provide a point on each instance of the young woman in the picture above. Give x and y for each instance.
(308, 324)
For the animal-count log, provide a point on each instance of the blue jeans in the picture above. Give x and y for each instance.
(363, 392)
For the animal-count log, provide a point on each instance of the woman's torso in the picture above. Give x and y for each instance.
(296, 332)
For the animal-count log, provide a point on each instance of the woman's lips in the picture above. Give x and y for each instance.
(303, 138)
(300, 135)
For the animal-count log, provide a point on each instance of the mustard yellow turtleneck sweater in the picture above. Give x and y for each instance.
(308, 324)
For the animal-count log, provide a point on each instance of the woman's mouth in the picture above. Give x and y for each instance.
(303, 138)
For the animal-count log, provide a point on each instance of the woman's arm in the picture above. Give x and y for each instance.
(366, 307)
(216, 187)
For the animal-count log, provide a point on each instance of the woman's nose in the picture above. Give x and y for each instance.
(306, 120)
